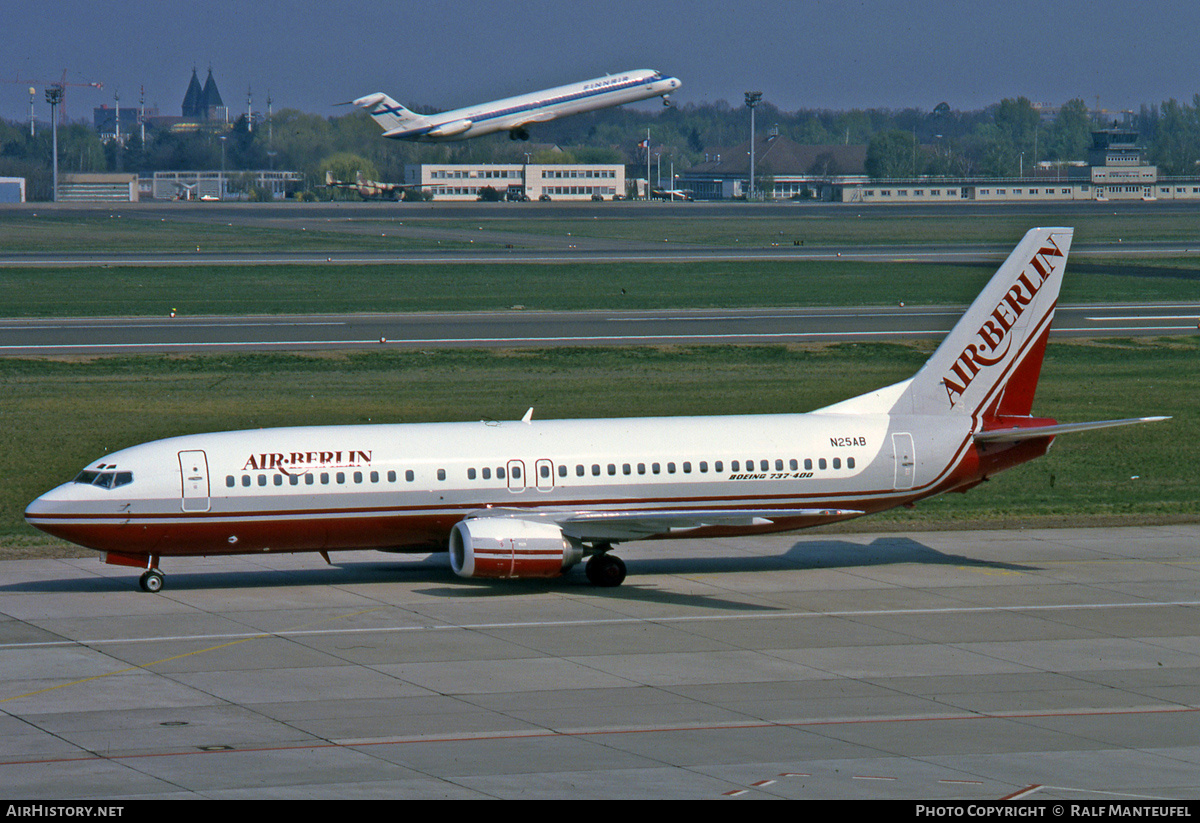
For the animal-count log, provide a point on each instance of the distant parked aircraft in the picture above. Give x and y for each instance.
(369, 189)
(516, 114)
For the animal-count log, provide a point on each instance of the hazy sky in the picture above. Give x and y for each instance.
(448, 53)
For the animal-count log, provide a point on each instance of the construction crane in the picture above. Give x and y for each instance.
(62, 84)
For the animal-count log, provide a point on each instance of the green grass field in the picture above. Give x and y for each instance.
(307, 289)
(60, 415)
(48, 230)
(854, 227)
(301, 289)
(295, 227)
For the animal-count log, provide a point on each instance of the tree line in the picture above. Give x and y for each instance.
(1003, 140)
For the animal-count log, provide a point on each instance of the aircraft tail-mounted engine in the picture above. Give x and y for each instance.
(451, 129)
(508, 547)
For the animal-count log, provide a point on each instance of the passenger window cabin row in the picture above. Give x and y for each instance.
(311, 478)
(544, 471)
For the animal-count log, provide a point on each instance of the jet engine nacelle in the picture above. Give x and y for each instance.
(508, 547)
(450, 129)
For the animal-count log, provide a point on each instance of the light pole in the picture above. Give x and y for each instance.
(221, 192)
(54, 96)
(647, 165)
(752, 99)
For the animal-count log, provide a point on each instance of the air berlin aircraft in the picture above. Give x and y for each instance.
(516, 114)
(531, 498)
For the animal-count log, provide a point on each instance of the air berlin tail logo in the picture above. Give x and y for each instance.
(993, 341)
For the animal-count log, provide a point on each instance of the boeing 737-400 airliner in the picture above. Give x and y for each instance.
(531, 498)
(516, 114)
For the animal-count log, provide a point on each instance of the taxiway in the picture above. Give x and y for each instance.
(512, 329)
(970, 665)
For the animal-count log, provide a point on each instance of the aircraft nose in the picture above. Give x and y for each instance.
(49, 503)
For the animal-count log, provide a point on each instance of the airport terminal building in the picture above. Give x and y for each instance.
(536, 181)
(1114, 170)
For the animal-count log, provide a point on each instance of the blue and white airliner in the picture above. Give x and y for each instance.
(516, 114)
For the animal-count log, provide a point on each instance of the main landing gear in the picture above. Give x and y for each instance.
(604, 569)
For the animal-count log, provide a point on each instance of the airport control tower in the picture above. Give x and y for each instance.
(1116, 166)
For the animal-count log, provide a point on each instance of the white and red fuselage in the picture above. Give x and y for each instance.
(533, 497)
(405, 486)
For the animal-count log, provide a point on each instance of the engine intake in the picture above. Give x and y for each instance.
(508, 547)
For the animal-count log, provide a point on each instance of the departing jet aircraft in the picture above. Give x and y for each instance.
(532, 498)
(516, 114)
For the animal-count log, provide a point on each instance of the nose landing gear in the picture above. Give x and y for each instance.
(151, 581)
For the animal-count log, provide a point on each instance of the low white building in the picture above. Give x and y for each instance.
(98, 187)
(12, 189)
(556, 181)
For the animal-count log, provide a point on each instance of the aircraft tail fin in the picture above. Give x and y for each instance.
(988, 365)
(385, 111)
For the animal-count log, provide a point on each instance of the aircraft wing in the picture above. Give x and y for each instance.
(536, 117)
(603, 526)
(1015, 434)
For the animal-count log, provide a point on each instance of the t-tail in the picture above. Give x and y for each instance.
(390, 115)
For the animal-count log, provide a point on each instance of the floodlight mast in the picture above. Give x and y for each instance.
(753, 98)
(54, 96)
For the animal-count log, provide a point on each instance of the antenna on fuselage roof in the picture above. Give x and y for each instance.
(528, 415)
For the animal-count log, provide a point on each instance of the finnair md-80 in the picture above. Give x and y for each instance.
(531, 498)
(516, 114)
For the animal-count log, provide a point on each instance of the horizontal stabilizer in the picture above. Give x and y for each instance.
(1017, 434)
(390, 115)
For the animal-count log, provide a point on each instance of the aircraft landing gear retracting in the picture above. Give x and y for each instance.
(605, 570)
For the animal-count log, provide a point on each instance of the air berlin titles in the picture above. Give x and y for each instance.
(993, 336)
(304, 462)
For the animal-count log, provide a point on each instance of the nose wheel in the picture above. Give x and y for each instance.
(151, 581)
(605, 570)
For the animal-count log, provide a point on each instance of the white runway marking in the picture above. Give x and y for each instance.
(668, 619)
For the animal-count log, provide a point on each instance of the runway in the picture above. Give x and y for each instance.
(971, 665)
(581, 250)
(144, 335)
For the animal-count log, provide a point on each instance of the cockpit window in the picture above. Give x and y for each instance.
(105, 480)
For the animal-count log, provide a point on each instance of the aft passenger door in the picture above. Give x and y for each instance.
(193, 471)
